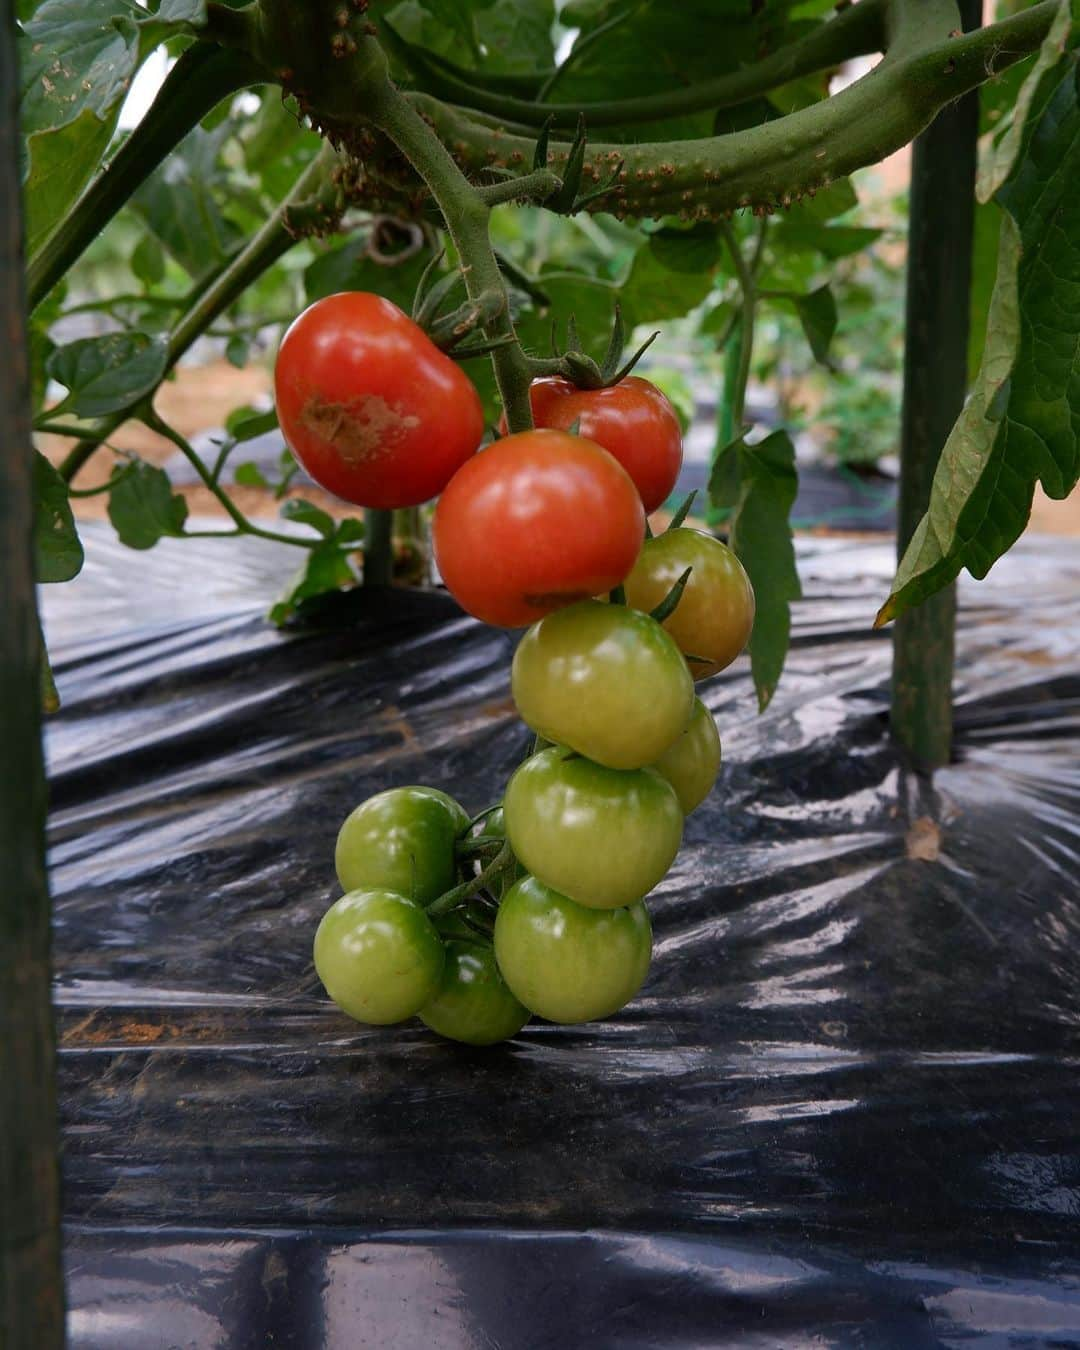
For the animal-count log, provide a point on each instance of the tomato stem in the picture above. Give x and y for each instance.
(501, 864)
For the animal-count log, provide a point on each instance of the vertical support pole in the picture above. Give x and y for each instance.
(935, 384)
(378, 547)
(31, 1291)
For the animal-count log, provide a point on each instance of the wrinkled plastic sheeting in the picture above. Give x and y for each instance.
(842, 1111)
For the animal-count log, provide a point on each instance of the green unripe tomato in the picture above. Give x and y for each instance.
(401, 840)
(604, 837)
(378, 956)
(472, 1003)
(606, 681)
(568, 963)
(692, 763)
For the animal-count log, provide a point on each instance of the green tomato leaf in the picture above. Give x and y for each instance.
(351, 268)
(244, 424)
(698, 249)
(817, 314)
(327, 569)
(831, 241)
(249, 474)
(1022, 421)
(142, 505)
(307, 513)
(350, 531)
(148, 260)
(652, 292)
(58, 552)
(758, 483)
(236, 351)
(106, 374)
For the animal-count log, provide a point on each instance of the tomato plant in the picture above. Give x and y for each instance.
(714, 617)
(533, 523)
(691, 764)
(370, 406)
(473, 1003)
(604, 837)
(378, 956)
(568, 963)
(401, 840)
(632, 420)
(606, 681)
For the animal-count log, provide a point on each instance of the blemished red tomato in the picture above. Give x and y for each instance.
(715, 613)
(535, 522)
(602, 837)
(605, 680)
(472, 1003)
(378, 956)
(632, 420)
(692, 763)
(568, 963)
(369, 405)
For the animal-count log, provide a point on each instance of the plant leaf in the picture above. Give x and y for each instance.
(307, 513)
(250, 475)
(1022, 421)
(760, 482)
(106, 374)
(58, 552)
(817, 314)
(143, 507)
(327, 569)
(244, 424)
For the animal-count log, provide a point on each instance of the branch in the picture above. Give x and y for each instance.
(774, 164)
(856, 31)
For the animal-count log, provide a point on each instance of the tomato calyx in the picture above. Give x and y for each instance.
(580, 369)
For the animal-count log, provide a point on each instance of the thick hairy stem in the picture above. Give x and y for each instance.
(201, 78)
(264, 249)
(856, 31)
(466, 216)
(772, 165)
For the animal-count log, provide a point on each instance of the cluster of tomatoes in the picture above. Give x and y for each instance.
(536, 906)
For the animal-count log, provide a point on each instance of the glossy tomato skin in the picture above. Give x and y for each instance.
(473, 1003)
(632, 420)
(369, 405)
(714, 617)
(692, 763)
(401, 840)
(605, 680)
(378, 956)
(568, 963)
(535, 522)
(603, 837)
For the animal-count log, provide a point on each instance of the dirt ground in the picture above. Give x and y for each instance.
(200, 398)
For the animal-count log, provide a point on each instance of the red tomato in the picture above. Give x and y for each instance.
(632, 420)
(535, 522)
(369, 405)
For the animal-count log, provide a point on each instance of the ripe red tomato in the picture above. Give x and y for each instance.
(369, 405)
(535, 522)
(632, 420)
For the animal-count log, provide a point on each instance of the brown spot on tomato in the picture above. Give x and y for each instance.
(360, 429)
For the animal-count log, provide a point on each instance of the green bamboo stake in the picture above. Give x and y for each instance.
(31, 1289)
(935, 384)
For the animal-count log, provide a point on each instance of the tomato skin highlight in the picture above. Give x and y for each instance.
(632, 420)
(602, 837)
(606, 681)
(378, 956)
(535, 522)
(401, 840)
(715, 614)
(473, 1003)
(568, 963)
(692, 763)
(369, 405)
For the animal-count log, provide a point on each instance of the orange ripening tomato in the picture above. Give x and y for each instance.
(535, 522)
(369, 405)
